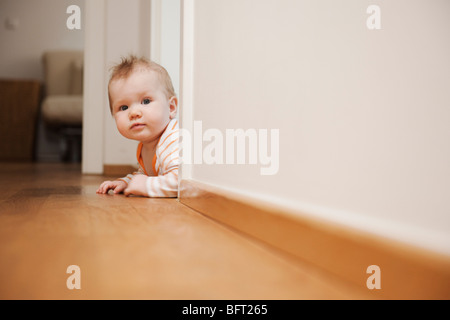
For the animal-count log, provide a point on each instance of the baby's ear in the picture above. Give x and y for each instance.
(173, 107)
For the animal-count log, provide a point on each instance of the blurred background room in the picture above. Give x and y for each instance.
(41, 70)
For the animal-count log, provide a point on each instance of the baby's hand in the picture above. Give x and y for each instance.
(117, 186)
(137, 186)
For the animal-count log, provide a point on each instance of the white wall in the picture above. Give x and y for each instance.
(94, 90)
(364, 115)
(170, 40)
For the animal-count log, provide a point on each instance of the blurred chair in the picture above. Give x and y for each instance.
(62, 107)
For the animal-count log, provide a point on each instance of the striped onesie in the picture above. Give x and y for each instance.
(165, 164)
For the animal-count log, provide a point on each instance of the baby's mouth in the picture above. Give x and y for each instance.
(137, 125)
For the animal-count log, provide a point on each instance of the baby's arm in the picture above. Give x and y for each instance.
(117, 186)
(163, 186)
(137, 186)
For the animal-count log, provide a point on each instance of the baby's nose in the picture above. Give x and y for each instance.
(135, 112)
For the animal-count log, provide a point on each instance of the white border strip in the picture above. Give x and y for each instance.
(186, 101)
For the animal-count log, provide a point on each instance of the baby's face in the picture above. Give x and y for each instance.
(140, 106)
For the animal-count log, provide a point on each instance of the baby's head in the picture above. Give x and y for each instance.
(131, 64)
(141, 98)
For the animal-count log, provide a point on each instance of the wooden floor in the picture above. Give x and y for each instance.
(133, 248)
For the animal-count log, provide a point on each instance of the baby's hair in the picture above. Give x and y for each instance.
(132, 63)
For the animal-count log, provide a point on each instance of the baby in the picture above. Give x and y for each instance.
(144, 105)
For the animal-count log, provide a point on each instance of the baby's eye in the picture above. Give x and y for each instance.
(123, 108)
(146, 101)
